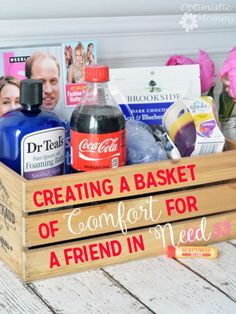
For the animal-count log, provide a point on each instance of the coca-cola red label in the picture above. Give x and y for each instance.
(97, 151)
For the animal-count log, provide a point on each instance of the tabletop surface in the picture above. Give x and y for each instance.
(151, 285)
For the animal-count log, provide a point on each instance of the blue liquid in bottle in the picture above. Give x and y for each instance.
(32, 142)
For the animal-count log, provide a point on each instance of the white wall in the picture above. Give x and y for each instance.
(15, 9)
(128, 32)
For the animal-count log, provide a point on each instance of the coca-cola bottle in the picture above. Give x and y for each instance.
(97, 126)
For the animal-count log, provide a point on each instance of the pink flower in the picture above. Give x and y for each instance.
(228, 73)
(207, 70)
(179, 60)
(207, 67)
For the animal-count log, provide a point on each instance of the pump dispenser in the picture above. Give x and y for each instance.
(31, 94)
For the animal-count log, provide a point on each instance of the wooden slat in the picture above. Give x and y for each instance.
(224, 279)
(166, 286)
(91, 292)
(230, 144)
(15, 297)
(38, 260)
(195, 171)
(11, 208)
(198, 202)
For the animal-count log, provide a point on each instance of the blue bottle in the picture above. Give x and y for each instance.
(32, 142)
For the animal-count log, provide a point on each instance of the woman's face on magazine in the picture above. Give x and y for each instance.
(9, 99)
(78, 57)
(90, 48)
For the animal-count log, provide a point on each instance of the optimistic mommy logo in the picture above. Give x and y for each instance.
(197, 14)
(189, 21)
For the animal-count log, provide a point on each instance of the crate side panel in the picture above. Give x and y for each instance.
(230, 144)
(74, 223)
(94, 253)
(11, 208)
(126, 181)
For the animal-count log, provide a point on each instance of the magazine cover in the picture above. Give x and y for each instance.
(59, 66)
(38, 62)
(77, 55)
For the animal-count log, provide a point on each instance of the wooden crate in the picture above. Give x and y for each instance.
(65, 224)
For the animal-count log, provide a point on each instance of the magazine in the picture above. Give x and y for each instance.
(63, 87)
(76, 55)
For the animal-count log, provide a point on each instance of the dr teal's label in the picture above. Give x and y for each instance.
(43, 153)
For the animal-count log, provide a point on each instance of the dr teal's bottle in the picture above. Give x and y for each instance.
(32, 142)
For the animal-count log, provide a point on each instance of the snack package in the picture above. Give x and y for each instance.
(192, 126)
(144, 94)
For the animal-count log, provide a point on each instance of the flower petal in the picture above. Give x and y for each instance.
(207, 70)
(232, 82)
(179, 60)
(229, 63)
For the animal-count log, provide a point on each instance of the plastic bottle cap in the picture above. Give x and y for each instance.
(171, 251)
(31, 92)
(96, 73)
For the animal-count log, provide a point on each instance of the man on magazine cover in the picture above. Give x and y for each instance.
(44, 66)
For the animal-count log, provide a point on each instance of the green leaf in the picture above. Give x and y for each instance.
(226, 105)
(211, 92)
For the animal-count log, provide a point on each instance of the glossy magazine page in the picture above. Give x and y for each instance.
(50, 64)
